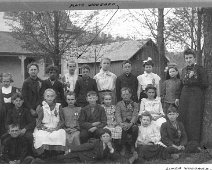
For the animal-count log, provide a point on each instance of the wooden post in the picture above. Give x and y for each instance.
(22, 58)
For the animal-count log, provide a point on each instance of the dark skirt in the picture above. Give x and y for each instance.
(191, 112)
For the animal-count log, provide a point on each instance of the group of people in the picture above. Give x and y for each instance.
(84, 119)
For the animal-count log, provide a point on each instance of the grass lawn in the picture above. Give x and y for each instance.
(185, 158)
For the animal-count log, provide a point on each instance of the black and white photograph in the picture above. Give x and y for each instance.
(106, 82)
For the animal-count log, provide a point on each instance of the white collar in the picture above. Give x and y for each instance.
(105, 72)
(7, 90)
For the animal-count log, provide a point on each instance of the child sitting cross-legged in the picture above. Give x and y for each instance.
(15, 149)
(95, 151)
(48, 134)
(71, 114)
(148, 144)
(92, 118)
(173, 134)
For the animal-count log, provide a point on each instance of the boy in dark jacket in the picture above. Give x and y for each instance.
(92, 118)
(173, 134)
(97, 150)
(83, 86)
(15, 149)
(53, 83)
(21, 116)
(127, 79)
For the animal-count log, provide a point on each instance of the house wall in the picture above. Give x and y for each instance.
(12, 64)
(143, 54)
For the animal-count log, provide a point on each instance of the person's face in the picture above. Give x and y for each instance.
(14, 132)
(106, 138)
(49, 97)
(107, 100)
(145, 121)
(172, 72)
(6, 81)
(127, 68)
(92, 99)
(72, 67)
(151, 94)
(53, 75)
(189, 59)
(172, 116)
(33, 71)
(70, 100)
(18, 102)
(85, 72)
(105, 64)
(148, 68)
(126, 95)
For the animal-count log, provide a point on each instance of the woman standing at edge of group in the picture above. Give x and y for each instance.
(194, 82)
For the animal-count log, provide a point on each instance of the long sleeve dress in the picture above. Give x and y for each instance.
(194, 82)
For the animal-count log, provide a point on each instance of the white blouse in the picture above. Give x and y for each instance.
(152, 106)
(7, 90)
(105, 80)
(148, 78)
(148, 134)
(51, 118)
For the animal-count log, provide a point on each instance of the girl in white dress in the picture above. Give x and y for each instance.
(48, 134)
(147, 78)
(153, 106)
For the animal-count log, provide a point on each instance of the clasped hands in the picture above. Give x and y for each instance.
(94, 126)
(126, 125)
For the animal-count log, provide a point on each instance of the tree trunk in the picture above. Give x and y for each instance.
(192, 28)
(199, 36)
(207, 30)
(160, 43)
(56, 41)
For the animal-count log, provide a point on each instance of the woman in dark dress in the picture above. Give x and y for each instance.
(194, 82)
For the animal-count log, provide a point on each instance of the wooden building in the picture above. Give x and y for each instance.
(135, 51)
(14, 59)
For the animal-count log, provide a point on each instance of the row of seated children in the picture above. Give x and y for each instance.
(55, 126)
(49, 133)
